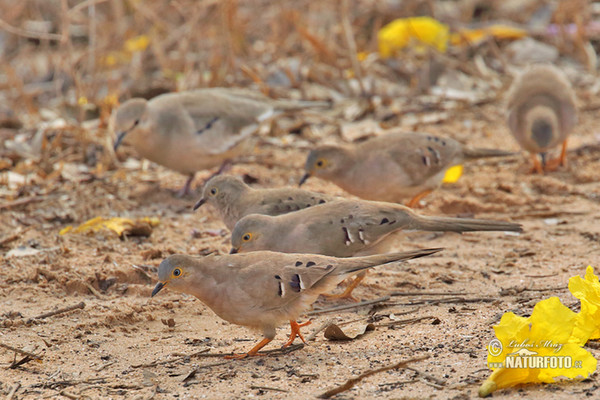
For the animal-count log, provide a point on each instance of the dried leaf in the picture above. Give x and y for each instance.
(334, 332)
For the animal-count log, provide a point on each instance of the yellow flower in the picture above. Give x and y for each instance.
(587, 290)
(453, 174)
(404, 31)
(536, 349)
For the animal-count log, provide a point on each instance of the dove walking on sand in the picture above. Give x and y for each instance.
(233, 199)
(394, 167)
(344, 228)
(195, 130)
(261, 290)
(541, 113)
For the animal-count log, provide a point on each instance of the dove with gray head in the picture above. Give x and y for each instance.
(194, 130)
(234, 199)
(261, 290)
(393, 167)
(541, 113)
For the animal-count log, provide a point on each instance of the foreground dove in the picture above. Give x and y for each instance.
(542, 112)
(344, 228)
(261, 290)
(195, 130)
(393, 167)
(234, 199)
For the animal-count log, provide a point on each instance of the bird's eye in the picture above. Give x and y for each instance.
(176, 272)
(247, 237)
(213, 191)
(321, 163)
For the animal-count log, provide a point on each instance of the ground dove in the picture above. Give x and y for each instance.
(234, 199)
(541, 113)
(394, 167)
(195, 130)
(344, 228)
(263, 289)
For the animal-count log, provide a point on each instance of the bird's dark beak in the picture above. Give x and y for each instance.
(303, 179)
(199, 203)
(157, 288)
(233, 250)
(120, 138)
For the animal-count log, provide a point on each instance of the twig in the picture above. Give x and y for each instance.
(23, 352)
(28, 34)
(156, 363)
(408, 321)
(23, 201)
(394, 294)
(351, 44)
(269, 388)
(69, 395)
(351, 382)
(322, 327)
(13, 391)
(349, 306)
(59, 311)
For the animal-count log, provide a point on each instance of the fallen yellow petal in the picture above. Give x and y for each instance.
(404, 31)
(453, 174)
(138, 43)
(121, 226)
(498, 31)
(587, 290)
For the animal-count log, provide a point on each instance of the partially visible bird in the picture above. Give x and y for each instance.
(195, 130)
(234, 199)
(263, 289)
(344, 228)
(541, 113)
(393, 167)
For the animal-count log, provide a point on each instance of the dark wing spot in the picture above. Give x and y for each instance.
(295, 283)
(443, 142)
(328, 267)
(384, 221)
(280, 291)
(392, 222)
(321, 201)
(308, 205)
(290, 198)
(288, 207)
(312, 197)
(342, 221)
(298, 263)
(350, 216)
(277, 277)
(425, 160)
(310, 264)
(207, 126)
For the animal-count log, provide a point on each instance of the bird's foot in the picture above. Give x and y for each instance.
(295, 333)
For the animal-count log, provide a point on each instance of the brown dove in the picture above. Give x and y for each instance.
(344, 228)
(194, 130)
(263, 289)
(541, 113)
(393, 167)
(234, 199)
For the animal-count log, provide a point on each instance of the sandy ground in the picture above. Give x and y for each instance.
(121, 345)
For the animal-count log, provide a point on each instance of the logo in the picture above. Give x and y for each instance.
(527, 355)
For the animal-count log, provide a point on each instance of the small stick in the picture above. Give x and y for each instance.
(322, 327)
(351, 382)
(349, 306)
(269, 388)
(23, 352)
(394, 294)
(23, 201)
(69, 395)
(407, 321)
(13, 391)
(59, 311)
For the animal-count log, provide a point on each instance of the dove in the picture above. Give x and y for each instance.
(233, 199)
(393, 167)
(541, 112)
(194, 130)
(263, 289)
(344, 228)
